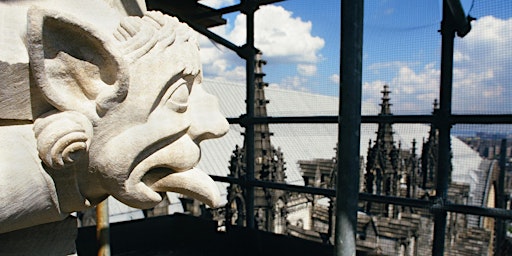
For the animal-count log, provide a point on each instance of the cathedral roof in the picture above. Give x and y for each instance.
(310, 141)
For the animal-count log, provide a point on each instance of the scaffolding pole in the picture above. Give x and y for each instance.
(349, 127)
(103, 228)
(501, 201)
(443, 123)
(249, 53)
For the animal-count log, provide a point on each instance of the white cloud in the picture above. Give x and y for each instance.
(377, 67)
(489, 31)
(335, 78)
(413, 91)
(497, 91)
(236, 74)
(282, 37)
(373, 86)
(481, 74)
(306, 69)
(459, 57)
(295, 83)
(371, 91)
(220, 62)
(409, 81)
(217, 3)
(465, 78)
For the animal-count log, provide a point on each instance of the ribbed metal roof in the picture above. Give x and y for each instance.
(297, 141)
(310, 141)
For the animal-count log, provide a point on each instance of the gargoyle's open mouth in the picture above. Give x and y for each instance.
(194, 183)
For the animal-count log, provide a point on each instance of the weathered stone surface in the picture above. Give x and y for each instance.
(112, 105)
(56, 238)
(25, 197)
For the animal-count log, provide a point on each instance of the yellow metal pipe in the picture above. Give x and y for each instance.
(103, 228)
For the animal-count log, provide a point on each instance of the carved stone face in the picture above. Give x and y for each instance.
(157, 136)
(141, 91)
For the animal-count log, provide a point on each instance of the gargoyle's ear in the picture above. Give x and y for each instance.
(75, 66)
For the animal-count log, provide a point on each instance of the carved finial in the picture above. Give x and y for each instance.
(435, 106)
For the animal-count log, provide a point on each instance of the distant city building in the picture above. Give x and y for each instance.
(389, 170)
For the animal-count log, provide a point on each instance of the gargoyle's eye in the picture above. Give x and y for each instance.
(178, 98)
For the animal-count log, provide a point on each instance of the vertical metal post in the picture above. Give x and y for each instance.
(103, 228)
(444, 126)
(500, 199)
(349, 127)
(250, 55)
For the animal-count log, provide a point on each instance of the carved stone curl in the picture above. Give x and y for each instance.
(63, 138)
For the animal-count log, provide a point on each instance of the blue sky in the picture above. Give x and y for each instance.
(300, 41)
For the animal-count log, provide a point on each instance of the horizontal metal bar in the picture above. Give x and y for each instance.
(240, 50)
(220, 11)
(416, 203)
(398, 119)
(218, 39)
(284, 120)
(232, 8)
(474, 210)
(481, 119)
(454, 119)
(280, 186)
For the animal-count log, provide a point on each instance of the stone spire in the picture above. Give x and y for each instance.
(385, 131)
(382, 170)
(429, 155)
(411, 172)
(385, 106)
(269, 166)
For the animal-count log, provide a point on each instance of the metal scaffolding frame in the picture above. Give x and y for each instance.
(349, 121)
(349, 128)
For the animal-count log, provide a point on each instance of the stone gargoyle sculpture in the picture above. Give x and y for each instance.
(96, 103)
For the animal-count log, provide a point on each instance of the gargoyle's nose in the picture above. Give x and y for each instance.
(207, 121)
